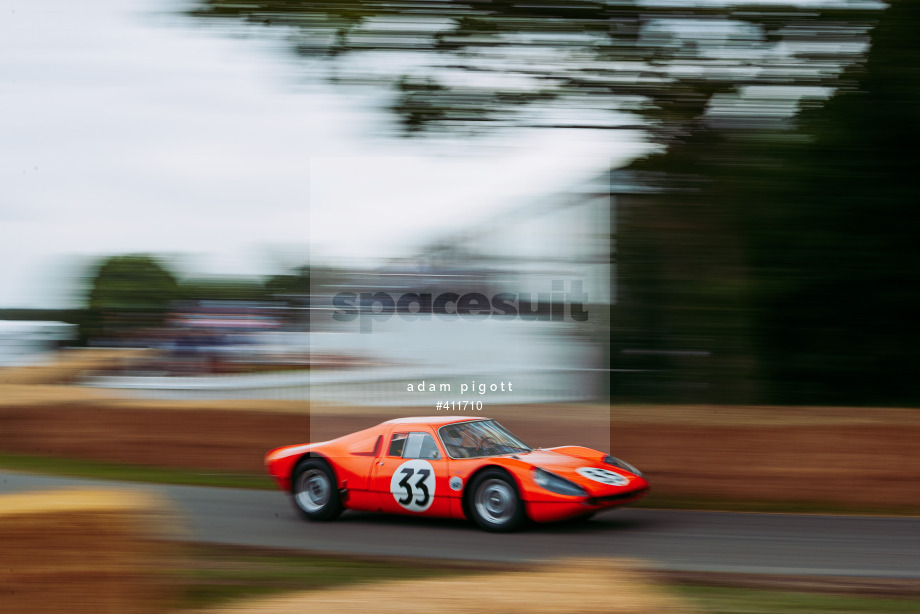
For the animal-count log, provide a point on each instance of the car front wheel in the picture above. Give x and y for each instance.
(495, 504)
(314, 490)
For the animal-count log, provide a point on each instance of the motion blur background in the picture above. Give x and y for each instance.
(187, 185)
(735, 182)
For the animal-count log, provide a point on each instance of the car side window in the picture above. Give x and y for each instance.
(429, 448)
(397, 444)
(421, 445)
(414, 445)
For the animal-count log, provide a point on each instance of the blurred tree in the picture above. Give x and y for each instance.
(682, 324)
(472, 65)
(223, 288)
(787, 253)
(294, 289)
(295, 283)
(773, 259)
(834, 246)
(127, 293)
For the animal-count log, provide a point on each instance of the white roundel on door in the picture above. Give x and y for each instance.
(604, 476)
(412, 485)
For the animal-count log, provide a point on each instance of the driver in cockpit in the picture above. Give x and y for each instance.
(453, 438)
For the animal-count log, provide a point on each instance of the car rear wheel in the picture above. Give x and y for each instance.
(314, 490)
(495, 504)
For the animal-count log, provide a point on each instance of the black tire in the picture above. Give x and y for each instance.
(494, 503)
(315, 491)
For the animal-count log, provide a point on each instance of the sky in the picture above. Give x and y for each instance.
(127, 127)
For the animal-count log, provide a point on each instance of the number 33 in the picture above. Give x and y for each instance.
(413, 485)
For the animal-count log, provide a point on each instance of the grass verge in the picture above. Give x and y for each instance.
(713, 504)
(216, 575)
(721, 600)
(99, 470)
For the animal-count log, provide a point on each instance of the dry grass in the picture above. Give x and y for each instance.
(568, 587)
(81, 551)
(702, 415)
(68, 365)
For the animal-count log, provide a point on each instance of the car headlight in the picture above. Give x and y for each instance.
(622, 464)
(557, 484)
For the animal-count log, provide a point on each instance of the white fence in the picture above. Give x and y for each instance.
(369, 386)
(542, 362)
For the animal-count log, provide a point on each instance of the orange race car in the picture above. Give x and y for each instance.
(452, 468)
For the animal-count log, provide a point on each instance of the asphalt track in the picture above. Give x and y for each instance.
(787, 544)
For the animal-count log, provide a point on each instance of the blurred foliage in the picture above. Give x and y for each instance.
(293, 284)
(71, 316)
(223, 288)
(484, 64)
(127, 293)
(132, 294)
(767, 252)
(834, 241)
(788, 253)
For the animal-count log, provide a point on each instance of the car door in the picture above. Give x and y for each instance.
(410, 476)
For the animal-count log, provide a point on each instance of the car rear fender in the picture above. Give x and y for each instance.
(282, 461)
(314, 454)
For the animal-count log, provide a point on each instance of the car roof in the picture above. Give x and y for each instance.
(433, 420)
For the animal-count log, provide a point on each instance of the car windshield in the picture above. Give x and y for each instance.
(479, 438)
